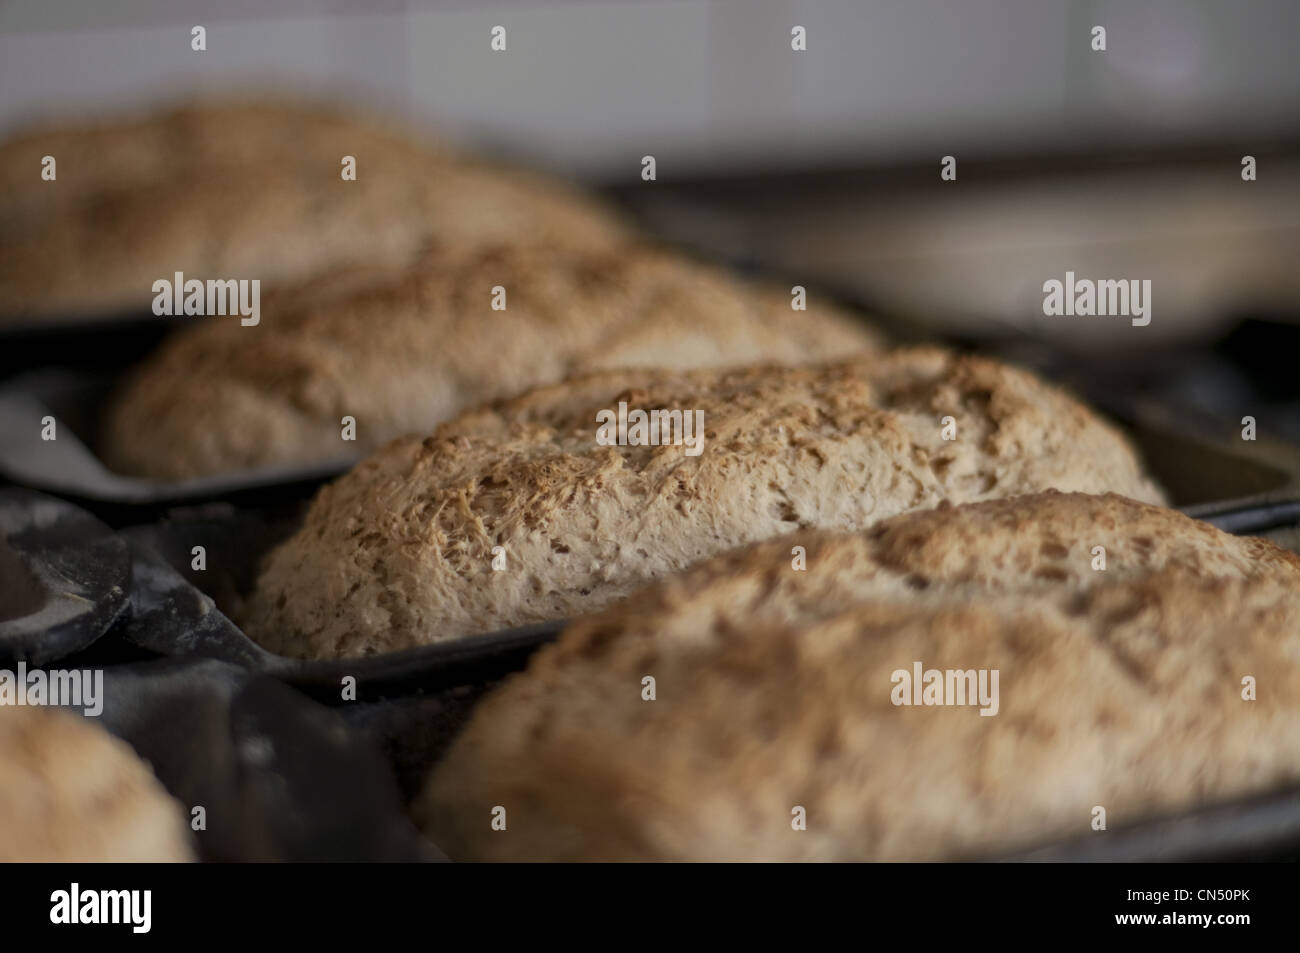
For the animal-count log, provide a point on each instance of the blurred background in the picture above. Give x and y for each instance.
(823, 165)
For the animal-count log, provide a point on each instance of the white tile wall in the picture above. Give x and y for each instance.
(591, 86)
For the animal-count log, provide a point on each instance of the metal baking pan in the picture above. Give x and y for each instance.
(1264, 827)
(414, 732)
(109, 342)
(172, 617)
(67, 582)
(1242, 486)
(70, 467)
(64, 578)
(280, 777)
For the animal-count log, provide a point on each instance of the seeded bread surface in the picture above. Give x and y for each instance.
(1120, 688)
(399, 551)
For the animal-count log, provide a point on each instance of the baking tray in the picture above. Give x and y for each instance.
(70, 467)
(1241, 486)
(173, 617)
(67, 582)
(280, 777)
(414, 732)
(1264, 827)
(113, 341)
(64, 578)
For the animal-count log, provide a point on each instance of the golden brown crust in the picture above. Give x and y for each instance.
(402, 349)
(399, 551)
(71, 792)
(1120, 688)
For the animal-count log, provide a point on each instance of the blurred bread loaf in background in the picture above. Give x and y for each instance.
(72, 793)
(399, 551)
(402, 350)
(138, 202)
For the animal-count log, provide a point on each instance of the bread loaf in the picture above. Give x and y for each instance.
(400, 351)
(401, 550)
(251, 191)
(71, 792)
(1119, 687)
(278, 226)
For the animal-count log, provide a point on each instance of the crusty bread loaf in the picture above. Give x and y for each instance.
(399, 551)
(1119, 688)
(401, 351)
(279, 224)
(71, 792)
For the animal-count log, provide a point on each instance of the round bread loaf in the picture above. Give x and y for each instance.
(777, 695)
(401, 351)
(401, 550)
(72, 793)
